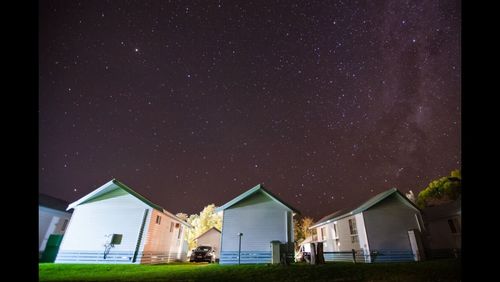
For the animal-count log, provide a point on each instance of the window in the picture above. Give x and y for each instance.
(171, 226)
(158, 219)
(352, 226)
(353, 230)
(323, 233)
(65, 224)
(180, 231)
(454, 227)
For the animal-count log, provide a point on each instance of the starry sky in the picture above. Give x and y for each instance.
(193, 102)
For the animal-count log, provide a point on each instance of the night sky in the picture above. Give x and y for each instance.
(193, 102)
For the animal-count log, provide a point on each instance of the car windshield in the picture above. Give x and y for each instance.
(203, 249)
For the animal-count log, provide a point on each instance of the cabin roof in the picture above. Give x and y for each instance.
(252, 191)
(361, 207)
(52, 202)
(115, 184)
(214, 228)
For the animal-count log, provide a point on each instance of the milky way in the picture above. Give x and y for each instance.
(193, 102)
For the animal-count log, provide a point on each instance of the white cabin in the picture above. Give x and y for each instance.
(250, 222)
(211, 238)
(385, 228)
(114, 224)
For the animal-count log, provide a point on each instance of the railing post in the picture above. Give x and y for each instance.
(239, 247)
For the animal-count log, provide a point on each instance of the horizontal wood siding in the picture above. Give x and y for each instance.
(161, 245)
(344, 236)
(261, 220)
(392, 256)
(387, 224)
(246, 257)
(77, 256)
(85, 235)
(373, 257)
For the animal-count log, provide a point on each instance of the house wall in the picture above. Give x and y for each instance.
(211, 238)
(50, 221)
(261, 220)
(387, 224)
(115, 212)
(441, 236)
(344, 236)
(382, 228)
(162, 240)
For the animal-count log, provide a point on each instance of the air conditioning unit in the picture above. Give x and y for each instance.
(116, 239)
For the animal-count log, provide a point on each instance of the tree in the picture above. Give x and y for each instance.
(202, 222)
(298, 233)
(441, 191)
(301, 229)
(305, 224)
(182, 216)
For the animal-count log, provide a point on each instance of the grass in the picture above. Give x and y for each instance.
(435, 270)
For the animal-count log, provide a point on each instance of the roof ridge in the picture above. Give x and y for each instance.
(250, 192)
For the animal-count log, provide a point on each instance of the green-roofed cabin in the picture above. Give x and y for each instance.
(261, 218)
(115, 224)
(385, 228)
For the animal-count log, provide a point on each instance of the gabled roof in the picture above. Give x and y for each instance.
(257, 188)
(47, 201)
(214, 228)
(362, 207)
(115, 184)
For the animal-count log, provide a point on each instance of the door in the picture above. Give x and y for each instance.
(51, 249)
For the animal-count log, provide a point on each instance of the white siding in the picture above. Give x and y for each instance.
(344, 235)
(261, 220)
(362, 235)
(91, 222)
(387, 224)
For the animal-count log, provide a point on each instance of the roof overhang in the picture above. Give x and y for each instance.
(115, 184)
(368, 204)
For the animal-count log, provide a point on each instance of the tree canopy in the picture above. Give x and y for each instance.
(201, 222)
(442, 190)
(301, 228)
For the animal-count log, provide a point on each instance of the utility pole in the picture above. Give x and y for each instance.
(239, 247)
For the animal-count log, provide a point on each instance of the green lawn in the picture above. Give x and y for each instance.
(437, 270)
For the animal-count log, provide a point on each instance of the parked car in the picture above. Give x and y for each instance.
(203, 253)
